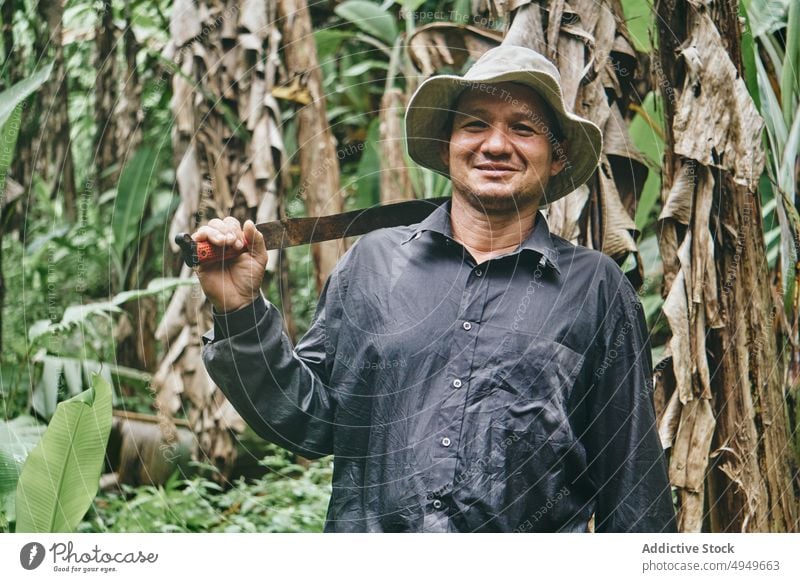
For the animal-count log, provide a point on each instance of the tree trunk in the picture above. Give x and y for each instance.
(119, 102)
(319, 164)
(54, 142)
(726, 414)
(107, 152)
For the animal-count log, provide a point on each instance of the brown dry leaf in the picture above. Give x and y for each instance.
(717, 127)
(690, 514)
(262, 168)
(678, 205)
(174, 318)
(563, 215)
(440, 44)
(668, 426)
(627, 163)
(676, 310)
(13, 190)
(185, 23)
(253, 17)
(529, 24)
(247, 186)
(295, 91)
(182, 98)
(690, 451)
(618, 226)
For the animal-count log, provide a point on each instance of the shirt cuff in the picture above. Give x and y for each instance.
(238, 321)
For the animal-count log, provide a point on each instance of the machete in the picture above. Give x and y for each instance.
(292, 232)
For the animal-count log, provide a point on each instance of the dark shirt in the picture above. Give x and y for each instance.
(514, 395)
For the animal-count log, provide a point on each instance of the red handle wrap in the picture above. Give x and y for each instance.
(208, 253)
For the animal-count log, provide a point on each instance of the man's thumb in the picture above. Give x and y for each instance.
(255, 238)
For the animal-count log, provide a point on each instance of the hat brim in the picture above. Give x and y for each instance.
(429, 107)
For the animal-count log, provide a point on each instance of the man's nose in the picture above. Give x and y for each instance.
(496, 142)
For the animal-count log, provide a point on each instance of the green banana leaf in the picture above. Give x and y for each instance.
(17, 438)
(11, 101)
(62, 474)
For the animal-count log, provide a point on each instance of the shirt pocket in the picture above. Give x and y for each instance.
(531, 381)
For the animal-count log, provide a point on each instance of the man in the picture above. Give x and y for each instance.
(472, 372)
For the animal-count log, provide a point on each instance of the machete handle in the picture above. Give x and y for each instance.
(204, 253)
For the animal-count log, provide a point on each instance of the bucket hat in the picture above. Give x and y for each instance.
(430, 105)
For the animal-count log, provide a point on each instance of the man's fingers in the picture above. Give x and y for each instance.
(220, 232)
(204, 233)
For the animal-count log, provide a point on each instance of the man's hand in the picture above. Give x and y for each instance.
(232, 283)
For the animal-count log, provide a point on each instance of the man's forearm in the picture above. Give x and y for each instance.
(277, 393)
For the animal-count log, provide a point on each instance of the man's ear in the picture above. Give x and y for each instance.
(559, 157)
(444, 153)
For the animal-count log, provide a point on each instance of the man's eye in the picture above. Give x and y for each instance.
(475, 124)
(525, 128)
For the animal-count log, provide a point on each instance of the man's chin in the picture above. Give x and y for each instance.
(499, 200)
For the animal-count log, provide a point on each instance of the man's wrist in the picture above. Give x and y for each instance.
(229, 306)
(242, 319)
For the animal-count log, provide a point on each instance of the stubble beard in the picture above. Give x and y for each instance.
(498, 203)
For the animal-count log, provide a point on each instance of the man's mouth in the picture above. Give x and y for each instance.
(496, 169)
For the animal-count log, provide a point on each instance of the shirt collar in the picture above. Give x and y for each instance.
(539, 241)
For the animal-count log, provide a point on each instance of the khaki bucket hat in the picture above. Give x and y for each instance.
(429, 108)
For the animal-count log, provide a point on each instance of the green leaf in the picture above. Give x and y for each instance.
(11, 106)
(370, 18)
(647, 139)
(328, 41)
(14, 96)
(368, 174)
(363, 67)
(72, 375)
(154, 287)
(790, 76)
(640, 20)
(17, 438)
(135, 183)
(749, 57)
(766, 16)
(45, 395)
(8, 134)
(79, 313)
(61, 476)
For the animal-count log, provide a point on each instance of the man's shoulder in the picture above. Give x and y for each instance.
(579, 257)
(593, 269)
(377, 242)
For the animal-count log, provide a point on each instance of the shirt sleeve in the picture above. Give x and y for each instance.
(626, 462)
(281, 391)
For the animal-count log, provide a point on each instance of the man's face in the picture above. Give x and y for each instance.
(500, 148)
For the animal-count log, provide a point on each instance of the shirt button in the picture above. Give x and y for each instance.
(467, 325)
(437, 504)
(445, 442)
(478, 273)
(457, 383)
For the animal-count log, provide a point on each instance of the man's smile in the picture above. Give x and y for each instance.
(495, 169)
